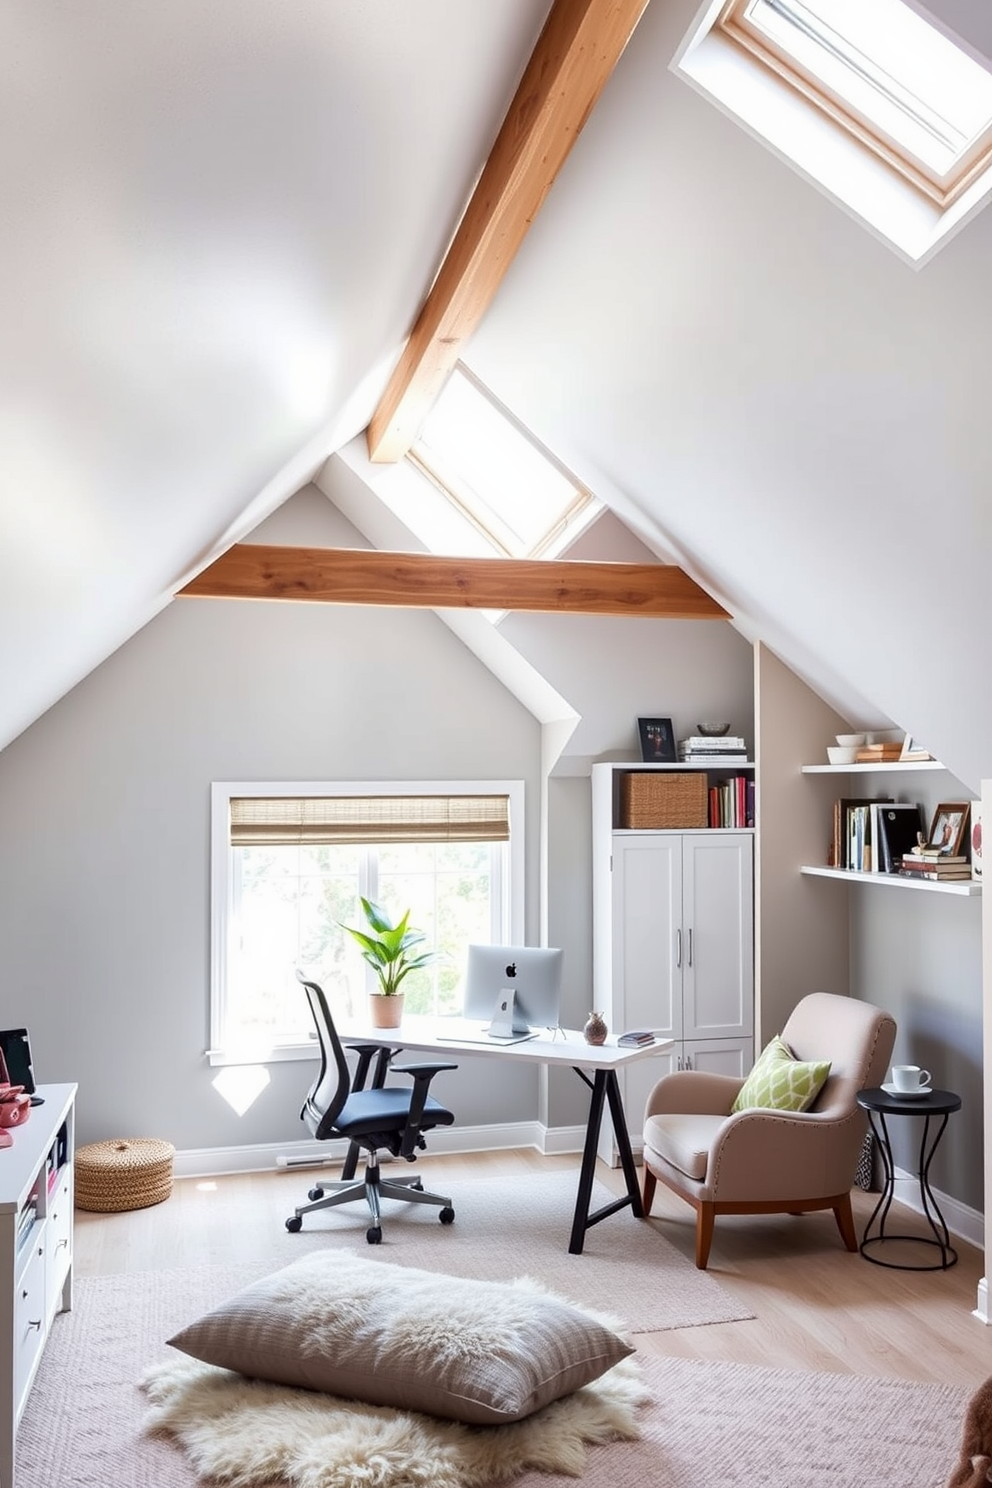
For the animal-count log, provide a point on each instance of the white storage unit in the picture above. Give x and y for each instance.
(673, 944)
(36, 1196)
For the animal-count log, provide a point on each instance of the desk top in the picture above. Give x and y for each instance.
(19, 1163)
(420, 1035)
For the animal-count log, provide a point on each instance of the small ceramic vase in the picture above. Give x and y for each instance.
(595, 1030)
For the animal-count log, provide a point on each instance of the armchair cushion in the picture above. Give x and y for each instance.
(482, 1352)
(684, 1141)
(781, 1082)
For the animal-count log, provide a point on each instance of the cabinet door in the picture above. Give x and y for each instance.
(718, 935)
(719, 1056)
(647, 913)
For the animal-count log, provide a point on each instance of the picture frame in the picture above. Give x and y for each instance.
(657, 737)
(949, 827)
(911, 750)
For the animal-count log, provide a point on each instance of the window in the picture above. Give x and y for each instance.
(289, 865)
(523, 501)
(870, 100)
(884, 74)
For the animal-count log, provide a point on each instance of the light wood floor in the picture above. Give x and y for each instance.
(817, 1306)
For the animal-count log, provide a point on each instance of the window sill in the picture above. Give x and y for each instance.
(264, 1054)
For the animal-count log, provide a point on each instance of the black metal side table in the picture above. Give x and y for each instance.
(879, 1104)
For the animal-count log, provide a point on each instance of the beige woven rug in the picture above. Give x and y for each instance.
(507, 1229)
(707, 1423)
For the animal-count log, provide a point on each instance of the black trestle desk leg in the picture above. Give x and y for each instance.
(604, 1087)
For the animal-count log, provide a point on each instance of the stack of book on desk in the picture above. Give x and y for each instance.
(938, 867)
(635, 1038)
(710, 749)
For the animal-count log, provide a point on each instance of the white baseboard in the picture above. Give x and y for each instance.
(967, 1223)
(213, 1162)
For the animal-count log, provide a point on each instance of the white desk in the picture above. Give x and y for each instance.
(596, 1065)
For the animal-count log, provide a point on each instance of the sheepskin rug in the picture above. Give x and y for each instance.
(250, 1434)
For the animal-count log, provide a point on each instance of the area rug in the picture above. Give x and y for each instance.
(520, 1227)
(84, 1424)
(251, 1433)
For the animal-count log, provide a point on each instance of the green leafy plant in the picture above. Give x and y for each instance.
(389, 948)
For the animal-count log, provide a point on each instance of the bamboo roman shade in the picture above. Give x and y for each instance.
(258, 821)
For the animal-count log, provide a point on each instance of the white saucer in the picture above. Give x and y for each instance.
(907, 1094)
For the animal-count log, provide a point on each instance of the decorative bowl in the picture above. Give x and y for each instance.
(840, 756)
(713, 730)
(851, 741)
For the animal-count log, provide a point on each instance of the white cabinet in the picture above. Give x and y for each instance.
(673, 945)
(36, 1196)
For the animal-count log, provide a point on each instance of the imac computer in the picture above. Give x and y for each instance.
(517, 989)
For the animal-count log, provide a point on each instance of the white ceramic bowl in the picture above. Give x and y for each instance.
(839, 756)
(849, 741)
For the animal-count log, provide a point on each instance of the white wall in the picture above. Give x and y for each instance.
(104, 912)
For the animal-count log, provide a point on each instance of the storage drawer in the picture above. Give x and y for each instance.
(58, 1247)
(29, 1318)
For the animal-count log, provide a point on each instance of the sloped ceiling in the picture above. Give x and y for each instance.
(220, 220)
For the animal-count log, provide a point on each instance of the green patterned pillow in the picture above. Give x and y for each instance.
(780, 1082)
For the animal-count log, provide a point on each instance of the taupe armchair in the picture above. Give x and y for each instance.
(763, 1161)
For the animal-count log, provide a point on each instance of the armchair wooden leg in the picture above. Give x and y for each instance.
(705, 1215)
(650, 1184)
(844, 1216)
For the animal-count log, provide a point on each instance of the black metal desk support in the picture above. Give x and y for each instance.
(604, 1086)
(879, 1104)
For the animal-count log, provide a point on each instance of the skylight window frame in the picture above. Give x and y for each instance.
(941, 189)
(458, 491)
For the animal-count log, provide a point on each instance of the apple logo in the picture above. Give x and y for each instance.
(511, 970)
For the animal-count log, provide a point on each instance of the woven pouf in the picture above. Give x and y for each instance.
(130, 1173)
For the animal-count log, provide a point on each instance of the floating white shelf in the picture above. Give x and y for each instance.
(967, 887)
(897, 766)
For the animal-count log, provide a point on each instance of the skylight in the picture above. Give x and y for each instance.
(868, 98)
(922, 98)
(508, 485)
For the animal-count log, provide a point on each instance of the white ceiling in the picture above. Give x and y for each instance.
(219, 222)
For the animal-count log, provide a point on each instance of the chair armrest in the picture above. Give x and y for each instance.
(366, 1053)
(693, 1093)
(422, 1074)
(766, 1154)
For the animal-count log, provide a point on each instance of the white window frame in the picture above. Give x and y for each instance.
(829, 157)
(223, 884)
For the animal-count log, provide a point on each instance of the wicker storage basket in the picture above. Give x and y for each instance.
(117, 1175)
(663, 798)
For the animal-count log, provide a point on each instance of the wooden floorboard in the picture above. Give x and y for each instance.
(817, 1307)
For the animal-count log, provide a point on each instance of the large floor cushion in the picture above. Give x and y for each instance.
(474, 1351)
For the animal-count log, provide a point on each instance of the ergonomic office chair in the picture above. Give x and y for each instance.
(389, 1117)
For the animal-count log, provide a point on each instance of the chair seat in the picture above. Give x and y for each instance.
(367, 1111)
(683, 1140)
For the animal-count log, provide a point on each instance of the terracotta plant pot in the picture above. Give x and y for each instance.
(386, 1012)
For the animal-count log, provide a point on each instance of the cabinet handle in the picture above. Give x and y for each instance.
(688, 1061)
(33, 1324)
(690, 945)
(678, 948)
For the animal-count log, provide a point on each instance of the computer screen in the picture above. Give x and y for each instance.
(533, 973)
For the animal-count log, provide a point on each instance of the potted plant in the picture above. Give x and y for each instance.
(389, 950)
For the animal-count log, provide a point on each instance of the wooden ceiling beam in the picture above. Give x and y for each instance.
(577, 51)
(422, 580)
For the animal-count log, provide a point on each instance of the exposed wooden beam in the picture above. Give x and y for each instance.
(577, 51)
(422, 580)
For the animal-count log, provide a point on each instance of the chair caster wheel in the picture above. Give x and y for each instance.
(315, 1194)
(294, 1224)
(374, 1235)
(447, 1215)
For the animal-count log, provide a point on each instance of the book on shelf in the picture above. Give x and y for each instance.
(871, 754)
(636, 1037)
(730, 757)
(851, 844)
(899, 824)
(928, 857)
(731, 802)
(713, 742)
(936, 875)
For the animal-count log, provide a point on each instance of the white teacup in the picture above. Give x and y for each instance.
(909, 1076)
